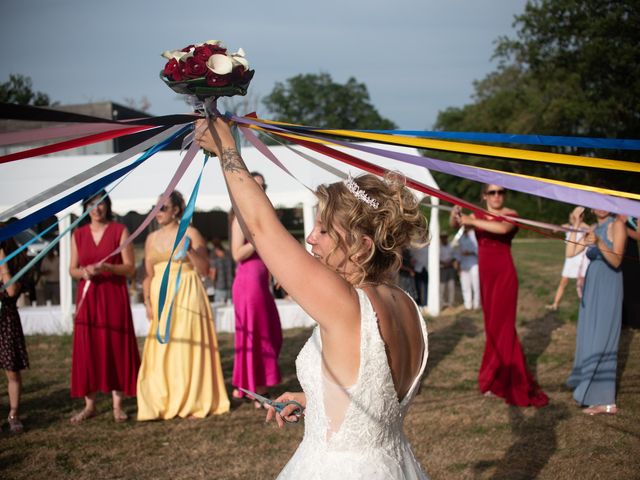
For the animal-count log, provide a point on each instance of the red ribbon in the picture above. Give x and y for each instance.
(421, 187)
(78, 142)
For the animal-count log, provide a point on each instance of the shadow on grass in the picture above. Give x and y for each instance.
(11, 460)
(293, 342)
(444, 341)
(624, 347)
(39, 414)
(537, 338)
(536, 442)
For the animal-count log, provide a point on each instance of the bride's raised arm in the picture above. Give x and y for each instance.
(320, 291)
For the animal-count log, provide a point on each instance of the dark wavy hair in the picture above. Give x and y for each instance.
(9, 246)
(177, 200)
(96, 196)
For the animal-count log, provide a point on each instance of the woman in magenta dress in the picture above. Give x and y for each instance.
(258, 334)
(105, 353)
(503, 371)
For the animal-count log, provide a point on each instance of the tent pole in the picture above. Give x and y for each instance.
(433, 288)
(66, 283)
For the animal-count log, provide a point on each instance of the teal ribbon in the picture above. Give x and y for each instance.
(121, 176)
(26, 245)
(182, 230)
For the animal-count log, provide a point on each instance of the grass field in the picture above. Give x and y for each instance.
(456, 433)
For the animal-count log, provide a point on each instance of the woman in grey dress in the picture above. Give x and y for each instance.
(594, 369)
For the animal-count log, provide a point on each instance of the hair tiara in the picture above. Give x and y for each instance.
(359, 193)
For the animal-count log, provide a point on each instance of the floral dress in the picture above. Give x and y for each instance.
(13, 349)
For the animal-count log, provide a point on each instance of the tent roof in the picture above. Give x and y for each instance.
(140, 189)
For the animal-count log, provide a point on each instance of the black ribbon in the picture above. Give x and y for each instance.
(12, 111)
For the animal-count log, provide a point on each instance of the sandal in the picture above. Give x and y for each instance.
(119, 415)
(15, 425)
(601, 409)
(82, 416)
(238, 395)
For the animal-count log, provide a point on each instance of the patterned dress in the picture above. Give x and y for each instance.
(13, 350)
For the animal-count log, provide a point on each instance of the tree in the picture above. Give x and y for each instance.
(316, 100)
(19, 90)
(573, 68)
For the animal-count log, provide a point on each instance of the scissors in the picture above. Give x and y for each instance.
(278, 406)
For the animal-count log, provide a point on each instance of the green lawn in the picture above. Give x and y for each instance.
(456, 433)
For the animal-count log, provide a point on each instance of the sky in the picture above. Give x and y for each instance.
(416, 57)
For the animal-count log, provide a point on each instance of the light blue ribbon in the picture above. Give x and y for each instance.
(55, 241)
(182, 230)
(26, 245)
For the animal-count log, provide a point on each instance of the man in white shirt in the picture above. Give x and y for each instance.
(467, 256)
(447, 272)
(420, 257)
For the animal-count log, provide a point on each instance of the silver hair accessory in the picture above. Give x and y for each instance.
(359, 193)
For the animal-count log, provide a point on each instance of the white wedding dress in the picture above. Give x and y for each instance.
(354, 432)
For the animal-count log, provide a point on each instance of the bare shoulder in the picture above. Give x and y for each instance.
(193, 232)
(509, 211)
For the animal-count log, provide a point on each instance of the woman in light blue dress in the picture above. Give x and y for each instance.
(593, 378)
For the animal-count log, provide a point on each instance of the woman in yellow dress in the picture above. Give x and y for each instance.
(182, 378)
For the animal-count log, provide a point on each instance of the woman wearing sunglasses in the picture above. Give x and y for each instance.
(182, 378)
(503, 371)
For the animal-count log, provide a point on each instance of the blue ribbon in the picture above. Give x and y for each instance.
(54, 242)
(182, 230)
(84, 192)
(26, 245)
(546, 140)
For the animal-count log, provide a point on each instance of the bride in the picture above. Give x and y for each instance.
(363, 363)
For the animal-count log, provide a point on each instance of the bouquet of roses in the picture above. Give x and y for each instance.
(207, 70)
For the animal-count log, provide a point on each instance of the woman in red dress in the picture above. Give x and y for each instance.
(105, 352)
(503, 371)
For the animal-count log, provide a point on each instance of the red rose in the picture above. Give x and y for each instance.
(172, 70)
(215, 80)
(203, 52)
(217, 49)
(237, 73)
(184, 69)
(196, 67)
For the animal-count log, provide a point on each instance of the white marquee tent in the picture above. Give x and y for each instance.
(140, 189)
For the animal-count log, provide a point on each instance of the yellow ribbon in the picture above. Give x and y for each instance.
(578, 186)
(482, 150)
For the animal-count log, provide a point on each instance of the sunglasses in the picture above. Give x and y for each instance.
(163, 208)
(494, 192)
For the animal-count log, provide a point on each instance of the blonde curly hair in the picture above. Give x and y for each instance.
(394, 225)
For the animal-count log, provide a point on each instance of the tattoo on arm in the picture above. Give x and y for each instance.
(231, 161)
